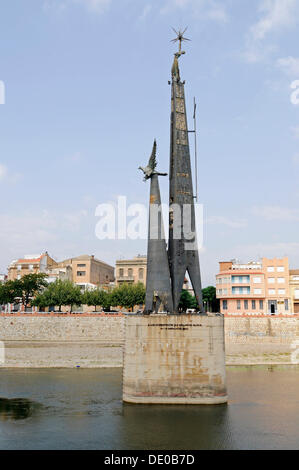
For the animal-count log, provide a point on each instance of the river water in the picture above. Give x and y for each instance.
(82, 409)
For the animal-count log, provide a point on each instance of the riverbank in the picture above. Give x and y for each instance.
(95, 341)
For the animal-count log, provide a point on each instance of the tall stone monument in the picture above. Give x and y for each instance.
(171, 357)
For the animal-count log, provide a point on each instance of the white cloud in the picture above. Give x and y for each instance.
(97, 6)
(206, 9)
(8, 177)
(295, 131)
(270, 250)
(289, 65)
(145, 12)
(275, 16)
(232, 223)
(3, 172)
(94, 6)
(276, 213)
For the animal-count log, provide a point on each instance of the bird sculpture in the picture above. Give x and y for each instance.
(150, 169)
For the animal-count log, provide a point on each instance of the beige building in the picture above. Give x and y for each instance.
(87, 271)
(255, 288)
(131, 271)
(31, 264)
(294, 290)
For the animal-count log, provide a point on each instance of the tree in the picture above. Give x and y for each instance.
(59, 293)
(128, 295)
(10, 291)
(187, 301)
(30, 285)
(95, 298)
(210, 299)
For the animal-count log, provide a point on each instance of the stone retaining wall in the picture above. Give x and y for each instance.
(96, 340)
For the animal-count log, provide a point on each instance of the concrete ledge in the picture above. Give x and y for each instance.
(176, 401)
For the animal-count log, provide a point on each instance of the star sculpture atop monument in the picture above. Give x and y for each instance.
(180, 38)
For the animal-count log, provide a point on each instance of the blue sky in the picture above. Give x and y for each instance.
(87, 92)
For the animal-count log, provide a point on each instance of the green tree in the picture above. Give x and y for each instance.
(95, 298)
(187, 301)
(31, 285)
(210, 300)
(59, 293)
(128, 295)
(10, 291)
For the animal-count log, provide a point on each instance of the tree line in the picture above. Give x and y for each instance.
(34, 290)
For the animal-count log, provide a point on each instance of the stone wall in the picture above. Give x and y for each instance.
(96, 341)
(260, 340)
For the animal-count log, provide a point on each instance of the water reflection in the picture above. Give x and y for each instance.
(16, 408)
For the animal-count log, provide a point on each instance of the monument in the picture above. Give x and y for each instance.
(171, 357)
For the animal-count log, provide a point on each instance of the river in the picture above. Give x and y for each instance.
(82, 409)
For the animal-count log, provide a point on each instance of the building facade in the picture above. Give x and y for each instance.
(131, 271)
(256, 288)
(294, 290)
(88, 272)
(31, 264)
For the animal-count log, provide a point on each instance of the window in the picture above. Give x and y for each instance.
(281, 280)
(241, 290)
(81, 273)
(281, 291)
(280, 269)
(286, 305)
(272, 291)
(31, 267)
(257, 280)
(240, 279)
(271, 280)
(140, 273)
(261, 305)
(253, 304)
(295, 278)
(296, 294)
(239, 304)
(81, 265)
(121, 272)
(130, 272)
(19, 267)
(270, 269)
(246, 304)
(224, 304)
(257, 291)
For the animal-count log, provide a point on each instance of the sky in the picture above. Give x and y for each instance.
(86, 92)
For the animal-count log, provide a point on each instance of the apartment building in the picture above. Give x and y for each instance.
(30, 264)
(131, 271)
(294, 290)
(255, 288)
(88, 272)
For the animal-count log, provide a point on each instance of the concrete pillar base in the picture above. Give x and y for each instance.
(174, 359)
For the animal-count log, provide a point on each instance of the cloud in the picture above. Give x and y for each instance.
(145, 12)
(295, 131)
(3, 172)
(93, 6)
(97, 6)
(208, 9)
(271, 250)
(289, 65)
(232, 223)
(6, 176)
(276, 213)
(275, 16)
